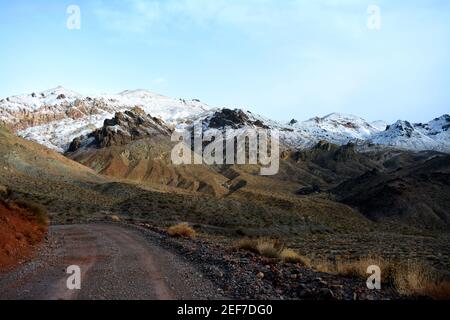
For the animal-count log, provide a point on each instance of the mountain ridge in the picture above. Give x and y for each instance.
(56, 116)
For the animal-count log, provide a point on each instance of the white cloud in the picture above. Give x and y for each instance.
(130, 16)
(160, 80)
(246, 15)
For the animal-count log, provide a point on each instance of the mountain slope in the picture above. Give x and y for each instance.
(136, 146)
(417, 195)
(36, 173)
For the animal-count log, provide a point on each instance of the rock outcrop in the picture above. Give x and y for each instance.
(124, 128)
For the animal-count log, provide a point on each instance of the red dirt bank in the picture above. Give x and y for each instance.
(19, 234)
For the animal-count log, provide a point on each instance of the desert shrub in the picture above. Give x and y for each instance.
(411, 278)
(438, 291)
(268, 248)
(246, 244)
(351, 268)
(115, 218)
(38, 211)
(271, 248)
(182, 230)
(415, 278)
(291, 256)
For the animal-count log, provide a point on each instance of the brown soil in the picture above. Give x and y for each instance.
(19, 235)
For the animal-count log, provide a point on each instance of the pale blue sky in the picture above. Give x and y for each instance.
(281, 58)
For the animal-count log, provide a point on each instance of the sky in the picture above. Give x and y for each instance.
(284, 59)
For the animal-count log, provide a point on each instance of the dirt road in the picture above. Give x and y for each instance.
(115, 262)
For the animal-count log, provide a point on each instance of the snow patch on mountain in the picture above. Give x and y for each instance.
(35, 101)
(169, 109)
(434, 135)
(55, 117)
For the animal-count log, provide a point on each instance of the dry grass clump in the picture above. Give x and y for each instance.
(418, 279)
(182, 230)
(355, 268)
(272, 249)
(268, 248)
(246, 245)
(437, 291)
(115, 218)
(291, 256)
(410, 278)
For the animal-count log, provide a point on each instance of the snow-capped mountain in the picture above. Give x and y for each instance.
(55, 117)
(338, 128)
(434, 135)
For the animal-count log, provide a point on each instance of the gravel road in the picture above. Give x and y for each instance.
(116, 263)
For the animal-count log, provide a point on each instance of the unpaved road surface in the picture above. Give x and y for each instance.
(116, 263)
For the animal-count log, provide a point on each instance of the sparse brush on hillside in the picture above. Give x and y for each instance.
(355, 268)
(271, 248)
(410, 278)
(115, 218)
(266, 247)
(182, 230)
(438, 291)
(38, 211)
(419, 279)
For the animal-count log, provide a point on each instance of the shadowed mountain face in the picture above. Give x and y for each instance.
(417, 195)
(326, 165)
(384, 185)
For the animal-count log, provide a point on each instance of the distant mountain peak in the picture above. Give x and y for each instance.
(124, 127)
(56, 116)
(433, 135)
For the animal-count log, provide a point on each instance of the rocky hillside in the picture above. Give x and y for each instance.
(33, 172)
(124, 128)
(417, 194)
(136, 146)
